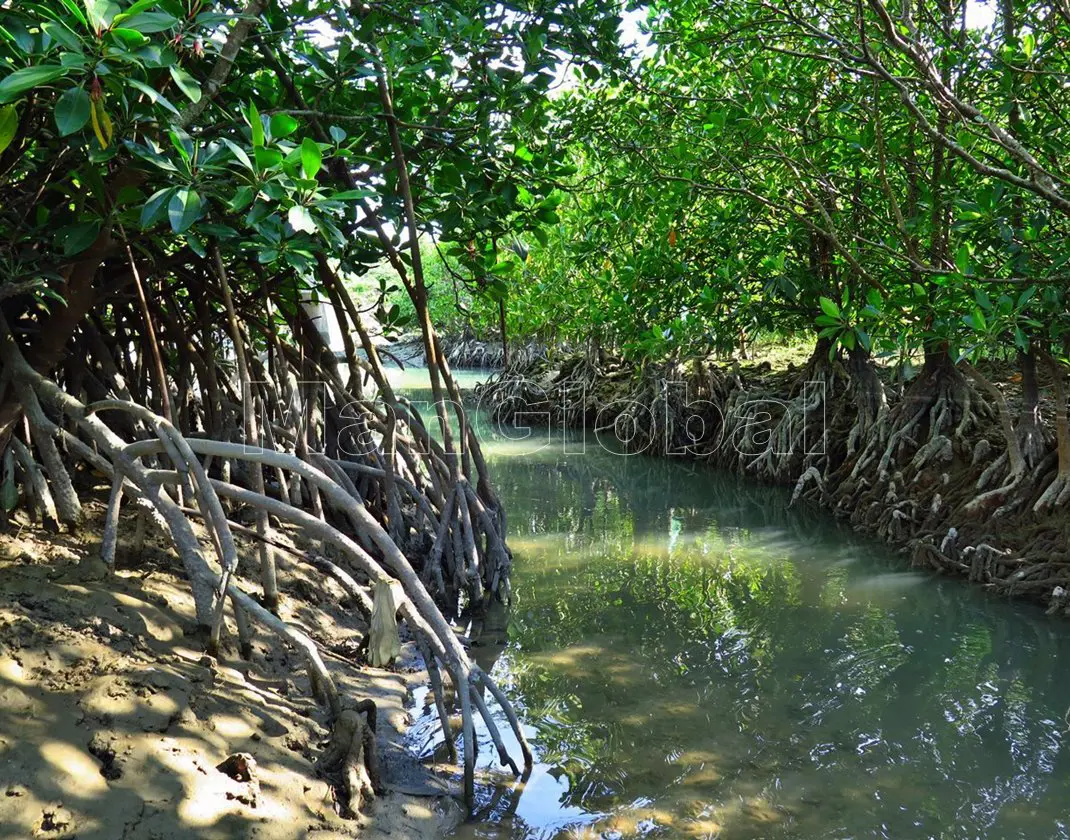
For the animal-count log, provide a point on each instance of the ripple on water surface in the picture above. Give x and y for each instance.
(692, 659)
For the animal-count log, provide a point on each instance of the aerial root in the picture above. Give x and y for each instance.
(43, 432)
(35, 483)
(812, 474)
(435, 676)
(245, 633)
(136, 475)
(1055, 495)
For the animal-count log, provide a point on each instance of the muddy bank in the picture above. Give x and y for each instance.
(115, 724)
(919, 459)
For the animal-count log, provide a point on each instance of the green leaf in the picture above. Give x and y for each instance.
(182, 142)
(239, 154)
(62, 35)
(130, 39)
(256, 126)
(186, 83)
(983, 300)
(101, 13)
(197, 246)
(337, 134)
(830, 308)
(350, 195)
(9, 125)
(136, 9)
(183, 209)
(154, 207)
(282, 125)
(217, 230)
(155, 97)
(75, 11)
(267, 158)
(962, 258)
(148, 23)
(28, 78)
(300, 219)
(72, 111)
(242, 199)
(76, 238)
(311, 157)
(1029, 44)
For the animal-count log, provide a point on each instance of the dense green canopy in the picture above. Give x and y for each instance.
(138, 117)
(890, 174)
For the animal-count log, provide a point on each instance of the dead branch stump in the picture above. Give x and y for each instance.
(351, 759)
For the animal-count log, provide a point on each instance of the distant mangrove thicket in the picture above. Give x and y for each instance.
(882, 182)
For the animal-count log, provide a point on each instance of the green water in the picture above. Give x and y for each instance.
(693, 659)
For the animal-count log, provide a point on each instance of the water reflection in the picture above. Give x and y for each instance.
(694, 660)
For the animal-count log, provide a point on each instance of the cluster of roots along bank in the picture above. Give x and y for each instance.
(941, 465)
(204, 402)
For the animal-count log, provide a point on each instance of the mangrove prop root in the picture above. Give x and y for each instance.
(371, 511)
(911, 468)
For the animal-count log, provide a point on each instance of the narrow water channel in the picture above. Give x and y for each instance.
(693, 659)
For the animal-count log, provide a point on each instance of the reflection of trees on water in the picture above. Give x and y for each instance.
(558, 493)
(688, 637)
(687, 621)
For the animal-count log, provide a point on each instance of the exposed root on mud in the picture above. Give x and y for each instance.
(373, 486)
(919, 469)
